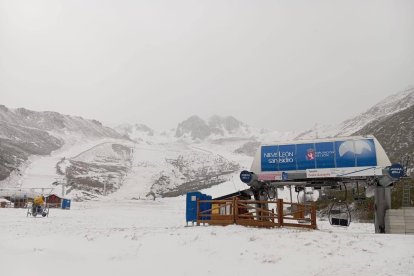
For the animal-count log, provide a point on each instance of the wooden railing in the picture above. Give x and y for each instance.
(256, 213)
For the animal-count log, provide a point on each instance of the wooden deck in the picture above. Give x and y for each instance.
(254, 213)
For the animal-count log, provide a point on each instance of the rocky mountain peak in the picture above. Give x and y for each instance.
(195, 127)
(228, 123)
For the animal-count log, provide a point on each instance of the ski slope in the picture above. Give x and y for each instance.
(40, 171)
(145, 237)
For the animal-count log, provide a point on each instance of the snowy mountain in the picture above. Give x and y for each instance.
(390, 105)
(33, 145)
(136, 161)
(24, 133)
(17, 143)
(395, 132)
(216, 126)
(96, 171)
(136, 132)
(57, 123)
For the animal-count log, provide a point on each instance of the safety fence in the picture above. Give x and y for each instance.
(256, 213)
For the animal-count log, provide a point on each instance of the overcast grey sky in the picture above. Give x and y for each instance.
(282, 65)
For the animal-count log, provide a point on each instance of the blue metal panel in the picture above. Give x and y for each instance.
(305, 156)
(270, 158)
(205, 206)
(191, 206)
(287, 158)
(66, 203)
(365, 153)
(345, 154)
(325, 155)
(338, 154)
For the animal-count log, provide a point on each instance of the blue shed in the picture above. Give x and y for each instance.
(66, 203)
(191, 206)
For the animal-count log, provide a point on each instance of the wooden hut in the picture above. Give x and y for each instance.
(53, 201)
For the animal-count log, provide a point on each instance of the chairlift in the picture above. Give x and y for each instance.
(339, 214)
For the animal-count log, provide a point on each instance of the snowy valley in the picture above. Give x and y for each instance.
(128, 183)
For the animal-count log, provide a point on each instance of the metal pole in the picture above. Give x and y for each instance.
(290, 190)
(382, 204)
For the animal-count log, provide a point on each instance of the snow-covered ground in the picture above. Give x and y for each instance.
(145, 237)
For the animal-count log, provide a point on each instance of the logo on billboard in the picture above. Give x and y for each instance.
(310, 155)
(359, 148)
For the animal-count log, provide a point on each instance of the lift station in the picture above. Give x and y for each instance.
(330, 163)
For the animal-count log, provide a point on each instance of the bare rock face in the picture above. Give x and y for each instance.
(395, 133)
(196, 128)
(136, 132)
(53, 121)
(17, 143)
(192, 171)
(248, 148)
(97, 171)
(24, 132)
(229, 123)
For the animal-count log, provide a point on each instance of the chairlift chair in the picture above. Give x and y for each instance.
(339, 214)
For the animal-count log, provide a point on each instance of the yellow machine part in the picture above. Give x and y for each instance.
(38, 200)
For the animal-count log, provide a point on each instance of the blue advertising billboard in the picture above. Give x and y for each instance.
(306, 157)
(336, 154)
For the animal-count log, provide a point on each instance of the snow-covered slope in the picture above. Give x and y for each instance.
(390, 105)
(55, 122)
(24, 133)
(137, 132)
(166, 170)
(33, 143)
(99, 170)
(395, 132)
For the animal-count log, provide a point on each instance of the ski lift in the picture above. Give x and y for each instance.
(339, 213)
